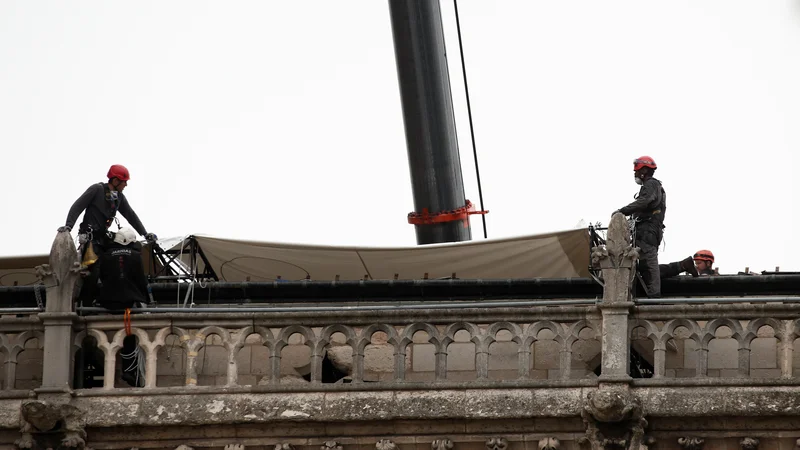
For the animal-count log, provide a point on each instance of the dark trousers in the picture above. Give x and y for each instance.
(88, 285)
(648, 239)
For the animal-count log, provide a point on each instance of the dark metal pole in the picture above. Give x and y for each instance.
(433, 157)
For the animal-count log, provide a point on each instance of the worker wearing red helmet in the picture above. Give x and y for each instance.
(697, 265)
(648, 210)
(100, 202)
(704, 260)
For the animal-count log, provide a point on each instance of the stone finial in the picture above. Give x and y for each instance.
(496, 443)
(749, 443)
(385, 444)
(330, 445)
(442, 444)
(617, 259)
(284, 446)
(550, 443)
(691, 443)
(797, 444)
(618, 240)
(61, 274)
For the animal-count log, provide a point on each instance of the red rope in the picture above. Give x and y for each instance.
(127, 321)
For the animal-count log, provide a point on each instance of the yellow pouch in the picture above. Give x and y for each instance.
(89, 257)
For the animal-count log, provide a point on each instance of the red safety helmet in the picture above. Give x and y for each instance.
(704, 255)
(644, 161)
(119, 172)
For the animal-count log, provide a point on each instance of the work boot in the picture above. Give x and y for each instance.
(688, 266)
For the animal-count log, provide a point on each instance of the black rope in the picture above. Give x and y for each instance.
(469, 112)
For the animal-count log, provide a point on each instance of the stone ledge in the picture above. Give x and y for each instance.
(202, 408)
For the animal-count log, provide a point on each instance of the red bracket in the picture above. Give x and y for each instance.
(426, 218)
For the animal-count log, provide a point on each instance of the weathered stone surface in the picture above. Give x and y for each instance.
(497, 402)
(353, 405)
(727, 401)
(379, 359)
(557, 403)
(9, 412)
(429, 404)
(200, 409)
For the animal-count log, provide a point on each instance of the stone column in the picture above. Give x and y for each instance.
(617, 259)
(60, 277)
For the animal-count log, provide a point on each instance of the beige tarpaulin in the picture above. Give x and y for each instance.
(555, 255)
(20, 270)
(562, 254)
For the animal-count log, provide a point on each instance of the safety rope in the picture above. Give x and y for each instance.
(137, 363)
(469, 113)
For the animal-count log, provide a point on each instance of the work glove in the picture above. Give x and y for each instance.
(64, 228)
(151, 237)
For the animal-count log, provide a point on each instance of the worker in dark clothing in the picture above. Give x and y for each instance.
(122, 278)
(123, 285)
(699, 265)
(101, 201)
(648, 211)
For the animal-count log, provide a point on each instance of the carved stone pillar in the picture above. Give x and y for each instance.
(617, 259)
(60, 277)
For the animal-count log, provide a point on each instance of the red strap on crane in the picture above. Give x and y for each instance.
(426, 218)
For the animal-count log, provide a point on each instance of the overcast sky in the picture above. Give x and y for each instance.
(281, 121)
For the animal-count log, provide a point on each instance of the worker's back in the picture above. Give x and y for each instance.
(123, 282)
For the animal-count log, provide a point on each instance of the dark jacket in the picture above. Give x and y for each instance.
(122, 276)
(650, 203)
(101, 208)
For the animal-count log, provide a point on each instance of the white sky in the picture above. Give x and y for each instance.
(281, 121)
